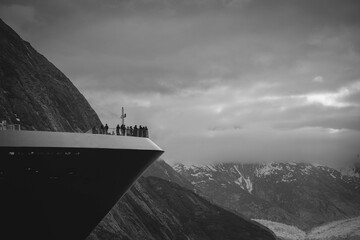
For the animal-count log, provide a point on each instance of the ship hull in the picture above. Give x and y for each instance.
(63, 193)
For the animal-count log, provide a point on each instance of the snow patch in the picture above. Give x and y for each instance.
(317, 165)
(241, 180)
(212, 168)
(306, 169)
(267, 169)
(196, 174)
(332, 175)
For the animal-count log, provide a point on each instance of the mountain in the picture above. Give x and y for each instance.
(164, 171)
(298, 194)
(34, 93)
(158, 209)
(348, 229)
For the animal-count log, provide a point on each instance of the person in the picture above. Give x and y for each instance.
(135, 131)
(131, 131)
(127, 131)
(101, 129)
(106, 129)
(140, 131)
(146, 132)
(117, 129)
(123, 129)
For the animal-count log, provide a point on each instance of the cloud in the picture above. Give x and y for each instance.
(19, 16)
(320, 145)
(213, 80)
(318, 79)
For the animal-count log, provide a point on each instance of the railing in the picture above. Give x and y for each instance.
(133, 132)
(11, 127)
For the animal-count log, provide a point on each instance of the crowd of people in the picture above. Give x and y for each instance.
(122, 130)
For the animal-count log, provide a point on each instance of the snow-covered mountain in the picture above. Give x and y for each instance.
(299, 194)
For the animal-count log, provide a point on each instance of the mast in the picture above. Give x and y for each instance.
(123, 116)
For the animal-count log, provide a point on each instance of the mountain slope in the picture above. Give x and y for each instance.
(164, 171)
(298, 194)
(158, 209)
(283, 231)
(34, 93)
(348, 229)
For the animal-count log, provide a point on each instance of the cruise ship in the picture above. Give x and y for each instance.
(59, 185)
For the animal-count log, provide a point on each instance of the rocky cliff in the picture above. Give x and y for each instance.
(34, 93)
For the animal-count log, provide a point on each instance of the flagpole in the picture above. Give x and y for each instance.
(123, 116)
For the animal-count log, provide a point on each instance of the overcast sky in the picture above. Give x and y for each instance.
(214, 80)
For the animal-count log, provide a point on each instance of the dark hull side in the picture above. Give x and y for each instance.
(63, 193)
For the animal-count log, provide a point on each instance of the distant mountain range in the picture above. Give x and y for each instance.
(299, 194)
(294, 200)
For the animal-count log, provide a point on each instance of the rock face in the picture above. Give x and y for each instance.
(163, 170)
(298, 194)
(158, 209)
(34, 93)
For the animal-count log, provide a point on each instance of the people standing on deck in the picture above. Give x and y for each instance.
(106, 129)
(140, 131)
(135, 131)
(146, 131)
(131, 131)
(118, 130)
(123, 129)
